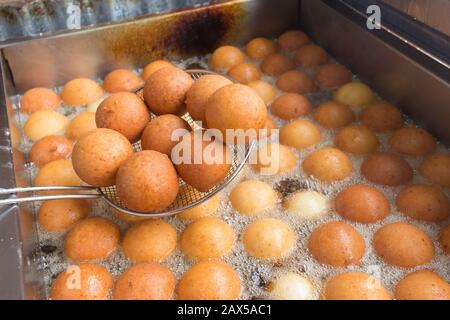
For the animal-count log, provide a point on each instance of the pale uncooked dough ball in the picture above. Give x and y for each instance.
(93, 106)
(252, 197)
(355, 94)
(292, 286)
(44, 123)
(307, 204)
(274, 159)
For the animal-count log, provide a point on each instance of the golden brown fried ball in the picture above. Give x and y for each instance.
(300, 134)
(259, 48)
(275, 159)
(333, 115)
(209, 280)
(226, 57)
(149, 240)
(60, 215)
(154, 66)
(354, 286)
(145, 281)
(81, 91)
(328, 164)
(422, 285)
(205, 209)
(337, 244)
(444, 239)
(80, 125)
(269, 239)
(295, 82)
(413, 142)
(291, 105)
(207, 238)
(357, 139)
(199, 93)
(165, 90)
(265, 90)
(310, 56)
(292, 40)
(57, 173)
(157, 134)
(44, 123)
(267, 130)
(147, 181)
(424, 202)
(94, 282)
(98, 155)
(90, 239)
(332, 75)
(362, 203)
(355, 94)
(39, 99)
(403, 245)
(50, 148)
(251, 197)
(382, 117)
(276, 64)
(387, 169)
(125, 113)
(436, 168)
(121, 80)
(245, 73)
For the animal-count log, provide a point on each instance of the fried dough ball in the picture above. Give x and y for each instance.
(357, 139)
(332, 76)
(81, 91)
(212, 167)
(300, 134)
(267, 130)
(307, 204)
(98, 155)
(121, 80)
(125, 113)
(60, 215)
(413, 142)
(147, 181)
(291, 105)
(328, 164)
(403, 245)
(387, 169)
(226, 57)
(205, 209)
(355, 94)
(209, 280)
(165, 90)
(50, 148)
(310, 56)
(423, 202)
(245, 73)
(259, 48)
(444, 239)
(337, 244)
(276, 64)
(198, 95)
(157, 134)
(436, 168)
(269, 239)
(333, 115)
(422, 285)
(362, 203)
(149, 240)
(382, 117)
(235, 106)
(265, 90)
(354, 286)
(292, 40)
(251, 197)
(39, 99)
(145, 281)
(57, 173)
(90, 239)
(292, 286)
(275, 159)
(154, 66)
(93, 282)
(80, 125)
(207, 238)
(44, 123)
(294, 81)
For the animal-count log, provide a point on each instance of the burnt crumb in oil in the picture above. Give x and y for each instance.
(48, 248)
(288, 186)
(194, 65)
